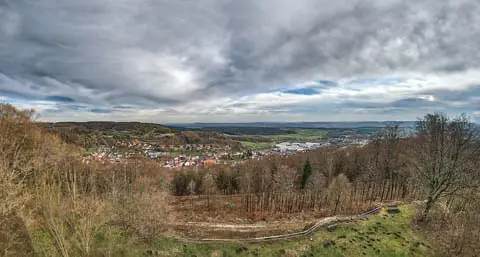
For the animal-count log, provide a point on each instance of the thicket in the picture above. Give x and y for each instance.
(47, 187)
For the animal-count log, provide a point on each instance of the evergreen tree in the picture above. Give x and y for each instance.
(306, 173)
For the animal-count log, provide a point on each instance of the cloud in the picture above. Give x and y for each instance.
(221, 59)
(96, 110)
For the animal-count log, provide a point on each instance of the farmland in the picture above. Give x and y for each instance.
(300, 135)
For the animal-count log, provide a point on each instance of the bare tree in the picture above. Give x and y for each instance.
(338, 191)
(284, 179)
(443, 154)
(390, 137)
(209, 187)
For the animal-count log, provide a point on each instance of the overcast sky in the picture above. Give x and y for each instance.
(240, 60)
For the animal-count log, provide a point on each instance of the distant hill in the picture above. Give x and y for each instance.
(135, 127)
(94, 133)
(373, 124)
(231, 130)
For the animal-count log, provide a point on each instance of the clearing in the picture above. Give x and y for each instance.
(380, 235)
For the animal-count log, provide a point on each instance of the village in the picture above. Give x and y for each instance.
(196, 155)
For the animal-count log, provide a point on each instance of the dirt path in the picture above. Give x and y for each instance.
(236, 227)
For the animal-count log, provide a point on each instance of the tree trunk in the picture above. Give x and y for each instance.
(384, 185)
(428, 207)
(337, 201)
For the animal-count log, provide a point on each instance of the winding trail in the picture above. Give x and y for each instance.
(307, 231)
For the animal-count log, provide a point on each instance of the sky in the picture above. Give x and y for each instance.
(170, 61)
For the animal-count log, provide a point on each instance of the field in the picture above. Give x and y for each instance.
(299, 135)
(256, 145)
(294, 135)
(380, 235)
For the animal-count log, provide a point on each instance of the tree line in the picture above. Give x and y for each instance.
(437, 166)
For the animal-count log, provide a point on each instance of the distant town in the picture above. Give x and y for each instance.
(194, 155)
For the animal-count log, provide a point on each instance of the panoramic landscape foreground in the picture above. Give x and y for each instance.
(389, 190)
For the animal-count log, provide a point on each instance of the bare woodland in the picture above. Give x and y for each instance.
(45, 185)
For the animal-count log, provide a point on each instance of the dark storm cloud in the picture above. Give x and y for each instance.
(14, 94)
(159, 53)
(74, 107)
(413, 102)
(471, 93)
(406, 103)
(368, 37)
(328, 83)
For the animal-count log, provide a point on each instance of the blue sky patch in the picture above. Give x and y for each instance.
(302, 91)
(58, 98)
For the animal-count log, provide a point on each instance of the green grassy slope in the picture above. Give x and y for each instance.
(256, 145)
(380, 235)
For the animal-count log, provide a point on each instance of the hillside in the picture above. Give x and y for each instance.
(324, 125)
(94, 133)
(59, 202)
(380, 235)
(133, 127)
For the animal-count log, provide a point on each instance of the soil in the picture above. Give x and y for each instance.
(223, 217)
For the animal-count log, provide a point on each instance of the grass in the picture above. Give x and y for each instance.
(256, 145)
(380, 235)
(108, 242)
(311, 132)
(174, 154)
(300, 135)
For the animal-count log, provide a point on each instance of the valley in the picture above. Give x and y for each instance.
(134, 189)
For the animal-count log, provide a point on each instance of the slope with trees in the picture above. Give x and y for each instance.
(66, 205)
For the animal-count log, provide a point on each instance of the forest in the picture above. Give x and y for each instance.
(56, 204)
(96, 133)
